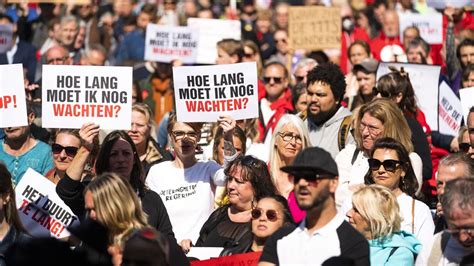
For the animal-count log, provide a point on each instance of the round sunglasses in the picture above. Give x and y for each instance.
(272, 215)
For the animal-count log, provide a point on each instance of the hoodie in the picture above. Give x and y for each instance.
(406, 248)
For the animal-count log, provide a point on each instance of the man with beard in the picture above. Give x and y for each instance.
(454, 246)
(327, 120)
(324, 233)
(20, 150)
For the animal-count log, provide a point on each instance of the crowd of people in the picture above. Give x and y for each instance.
(339, 166)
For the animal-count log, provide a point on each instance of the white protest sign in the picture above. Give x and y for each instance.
(430, 25)
(441, 4)
(74, 95)
(6, 36)
(424, 79)
(449, 111)
(204, 253)
(202, 93)
(168, 43)
(41, 211)
(12, 96)
(212, 31)
(467, 101)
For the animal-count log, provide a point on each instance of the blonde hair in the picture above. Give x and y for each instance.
(117, 206)
(379, 207)
(146, 111)
(395, 124)
(275, 159)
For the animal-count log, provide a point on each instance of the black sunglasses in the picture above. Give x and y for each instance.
(272, 215)
(277, 80)
(310, 177)
(464, 147)
(70, 150)
(388, 165)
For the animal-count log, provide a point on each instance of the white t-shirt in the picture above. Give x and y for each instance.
(424, 225)
(188, 194)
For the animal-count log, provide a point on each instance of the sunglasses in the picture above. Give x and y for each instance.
(388, 165)
(310, 177)
(250, 161)
(464, 147)
(272, 215)
(299, 79)
(70, 150)
(277, 80)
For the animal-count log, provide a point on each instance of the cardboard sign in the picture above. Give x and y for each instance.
(467, 101)
(424, 79)
(449, 111)
(41, 211)
(12, 96)
(246, 259)
(441, 4)
(168, 43)
(430, 26)
(6, 36)
(74, 95)
(314, 27)
(212, 31)
(202, 93)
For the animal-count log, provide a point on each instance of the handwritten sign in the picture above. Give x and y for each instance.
(441, 4)
(449, 111)
(246, 259)
(212, 31)
(74, 95)
(467, 101)
(314, 28)
(12, 96)
(202, 93)
(167, 43)
(41, 211)
(70, 2)
(6, 34)
(430, 25)
(424, 79)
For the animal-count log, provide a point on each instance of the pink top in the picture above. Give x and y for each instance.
(297, 214)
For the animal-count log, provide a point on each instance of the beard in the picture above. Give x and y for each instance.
(318, 201)
(322, 116)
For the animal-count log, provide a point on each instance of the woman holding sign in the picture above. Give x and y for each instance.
(186, 185)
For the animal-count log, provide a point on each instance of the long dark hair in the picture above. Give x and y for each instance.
(102, 164)
(6, 188)
(409, 184)
(256, 172)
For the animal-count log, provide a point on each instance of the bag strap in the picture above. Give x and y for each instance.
(391, 253)
(413, 216)
(344, 132)
(354, 155)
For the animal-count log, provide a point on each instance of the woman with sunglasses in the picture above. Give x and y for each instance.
(390, 166)
(248, 180)
(376, 119)
(290, 137)
(65, 147)
(376, 215)
(187, 186)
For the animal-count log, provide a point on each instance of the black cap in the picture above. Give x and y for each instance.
(312, 161)
(368, 65)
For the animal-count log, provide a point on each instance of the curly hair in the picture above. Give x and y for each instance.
(330, 74)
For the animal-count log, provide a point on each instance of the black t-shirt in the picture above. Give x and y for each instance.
(352, 244)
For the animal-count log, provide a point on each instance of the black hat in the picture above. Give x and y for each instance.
(368, 65)
(312, 161)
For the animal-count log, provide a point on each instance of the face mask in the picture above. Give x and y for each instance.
(347, 24)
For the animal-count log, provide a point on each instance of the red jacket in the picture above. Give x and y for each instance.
(281, 106)
(379, 42)
(346, 41)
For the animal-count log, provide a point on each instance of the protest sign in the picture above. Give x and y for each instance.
(314, 28)
(168, 43)
(6, 35)
(70, 2)
(467, 101)
(424, 79)
(12, 96)
(246, 259)
(441, 4)
(449, 111)
(41, 211)
(430, 25)
(74, 95)
(202, 93)
(212, 31)
(204, 253)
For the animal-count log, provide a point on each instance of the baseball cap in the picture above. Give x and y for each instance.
(312, 161)
(368, 65)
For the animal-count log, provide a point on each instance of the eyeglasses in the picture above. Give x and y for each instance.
(178, 135)
(272, 215)
(458, 231)
(388, 165)
(288, 137)
(59, 60)
(277, 80)
(372, 129)
(464, 147)
(70, 150)
(299, 79)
